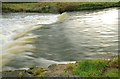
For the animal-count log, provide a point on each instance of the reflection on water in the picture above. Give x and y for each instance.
(83, 35)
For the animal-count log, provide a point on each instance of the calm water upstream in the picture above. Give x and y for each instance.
(82, 35)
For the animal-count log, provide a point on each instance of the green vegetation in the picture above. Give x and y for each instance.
(55, 7)
(69, 69)
(31, 67)
(113, 67)
(114, 63)
(69, 66)
(111, 73)
(89, 68)
(39, 72)
(97, 68)
(21, 74)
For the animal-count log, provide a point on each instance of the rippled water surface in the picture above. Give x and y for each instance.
(83, 35)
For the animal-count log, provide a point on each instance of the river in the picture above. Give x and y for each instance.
(40, 39)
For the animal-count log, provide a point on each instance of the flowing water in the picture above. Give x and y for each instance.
(43, 39)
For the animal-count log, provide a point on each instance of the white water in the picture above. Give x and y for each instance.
(82, 35)
(16, 36)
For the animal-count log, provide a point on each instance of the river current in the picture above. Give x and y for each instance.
(42, 39)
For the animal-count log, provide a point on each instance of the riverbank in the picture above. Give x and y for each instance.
(56, 7)
(85, 68)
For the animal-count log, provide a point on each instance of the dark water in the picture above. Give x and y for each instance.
(83, 35)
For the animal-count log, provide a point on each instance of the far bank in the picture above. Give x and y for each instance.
(56, 7)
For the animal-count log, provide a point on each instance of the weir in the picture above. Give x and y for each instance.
(44, 39)
(21, 42)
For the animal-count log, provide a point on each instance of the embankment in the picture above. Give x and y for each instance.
(56, 7)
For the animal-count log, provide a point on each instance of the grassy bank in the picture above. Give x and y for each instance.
(56, 7)
(85, 68)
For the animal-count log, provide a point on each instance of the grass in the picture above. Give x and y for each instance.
(98, 68)
(115, 62)
(111, 72)
(93, 69)
(69, 66)
(89, 68)
(39, 72)
(56, 7)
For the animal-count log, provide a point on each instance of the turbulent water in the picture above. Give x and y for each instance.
(43, 39)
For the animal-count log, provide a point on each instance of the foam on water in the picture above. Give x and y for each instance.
(85, 34)
(16, 34)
